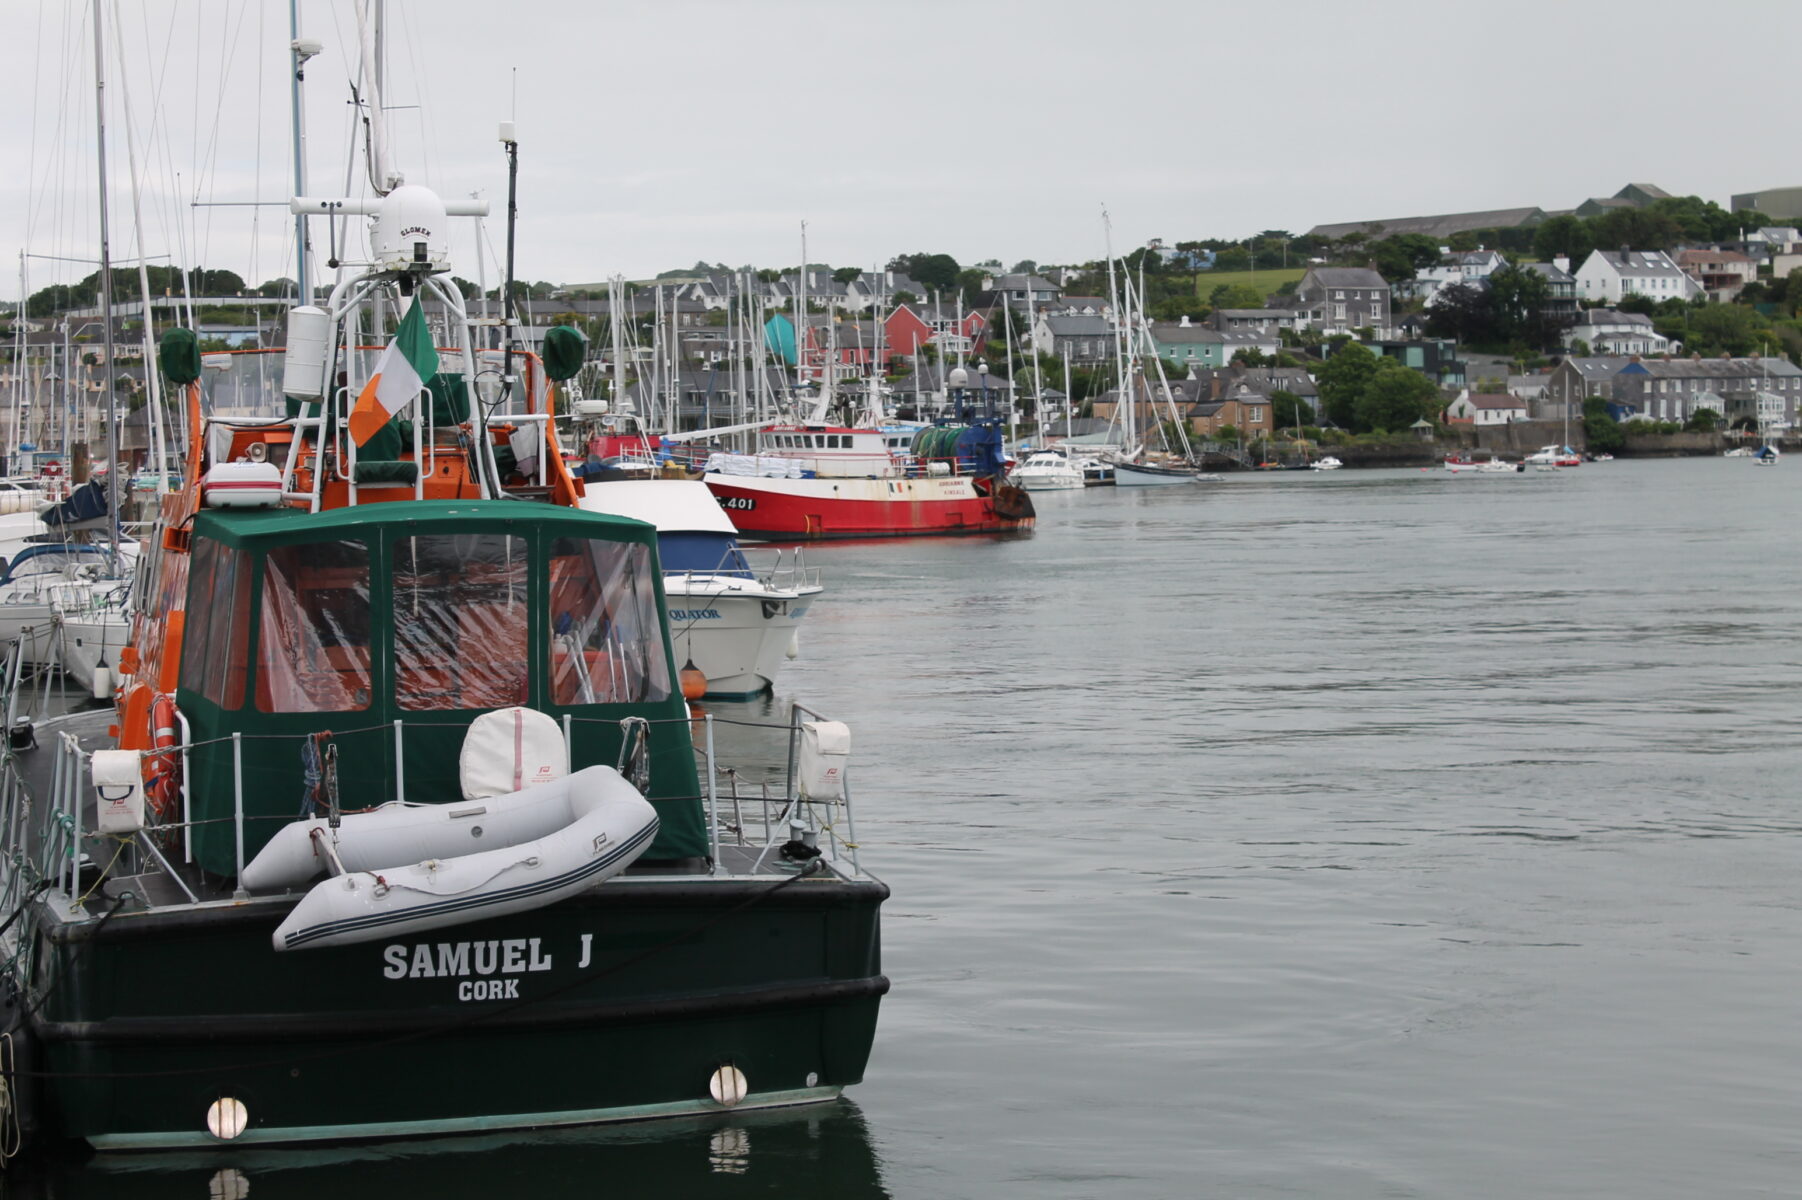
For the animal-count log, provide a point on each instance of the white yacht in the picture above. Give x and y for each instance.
(1048, 471)
(734, 623)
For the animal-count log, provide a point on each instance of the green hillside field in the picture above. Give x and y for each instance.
(1264, 281)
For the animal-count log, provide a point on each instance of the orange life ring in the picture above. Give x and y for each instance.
(163, 787)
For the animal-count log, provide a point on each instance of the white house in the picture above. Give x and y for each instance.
(1472, 266)
(1608, 331)
(1485, 408)
(1611, 275)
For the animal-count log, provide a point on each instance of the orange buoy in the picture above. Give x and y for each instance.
(694, 681)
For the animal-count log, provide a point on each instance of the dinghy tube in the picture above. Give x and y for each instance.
(407, 868)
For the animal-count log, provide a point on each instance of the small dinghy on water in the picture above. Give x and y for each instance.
(406, 868)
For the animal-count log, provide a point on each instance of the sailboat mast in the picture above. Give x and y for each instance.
(152, 377)
(302, 51)
(1120, 387)
(106, 288)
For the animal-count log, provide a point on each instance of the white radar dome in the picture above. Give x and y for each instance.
(411, 232)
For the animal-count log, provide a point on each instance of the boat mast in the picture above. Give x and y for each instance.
(18, 434)
(614, 289)
(302, 50)
(152, 377)
(1120, 387)
(106, 289)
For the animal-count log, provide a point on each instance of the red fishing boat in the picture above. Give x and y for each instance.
(828, 481)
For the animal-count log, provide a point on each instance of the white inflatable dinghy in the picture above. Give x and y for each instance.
(413, 867)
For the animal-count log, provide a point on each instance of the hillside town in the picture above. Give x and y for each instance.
(1637, 313)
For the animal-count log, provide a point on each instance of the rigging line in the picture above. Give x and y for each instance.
(62, 216)
(157, 137)
(37, 75)
(226, 54)
(419, 98)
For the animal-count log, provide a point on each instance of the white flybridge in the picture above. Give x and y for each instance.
(734, 623)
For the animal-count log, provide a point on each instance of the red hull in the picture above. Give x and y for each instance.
(811, 509)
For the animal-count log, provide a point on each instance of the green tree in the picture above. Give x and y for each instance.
(1401, 256)
(969, 285)
(1636, 229)
(1517, 303)
(1724, 329)
(1342, 379)
(1395, 397)
(1602, 432)
(934, 270)
(1702, 420)
(1289, 410)
(1235, 295)
(1564, 234)
(846, 274)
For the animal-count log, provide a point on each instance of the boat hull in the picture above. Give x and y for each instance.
(736, 633)
(618, 1004)
(1137, 475)
(824, 508)
(1048, 482)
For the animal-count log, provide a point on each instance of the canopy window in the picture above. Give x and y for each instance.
(313, 655)
(216, 630)
(460, 621)
(605, 630)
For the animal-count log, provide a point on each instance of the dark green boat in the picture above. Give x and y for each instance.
(320, 624)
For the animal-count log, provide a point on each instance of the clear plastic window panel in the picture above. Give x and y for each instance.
(460, 621)
(215, 629)
(605, 627)
(313, 655)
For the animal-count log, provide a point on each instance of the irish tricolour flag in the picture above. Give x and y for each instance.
(400, 372)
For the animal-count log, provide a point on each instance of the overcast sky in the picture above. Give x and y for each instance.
(657, 132)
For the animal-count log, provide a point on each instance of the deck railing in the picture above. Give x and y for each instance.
(49, 837)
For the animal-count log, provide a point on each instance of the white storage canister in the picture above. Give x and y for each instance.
(825, 753)
(242, 485)
(303, 363)
(118, 790)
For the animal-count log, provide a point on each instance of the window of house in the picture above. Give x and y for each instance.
(313, 652)
(460, 621)
(606, 635)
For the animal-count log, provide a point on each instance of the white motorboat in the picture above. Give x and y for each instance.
(734, 623)
(1766, 455)
(1048, 471)
(1739, 452)
(1325, 462)
(1554, 456)
(1476, 466)
(92, 620)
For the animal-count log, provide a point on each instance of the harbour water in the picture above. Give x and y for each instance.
(1364, 834)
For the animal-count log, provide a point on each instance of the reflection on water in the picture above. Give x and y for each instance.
(817, 1150)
